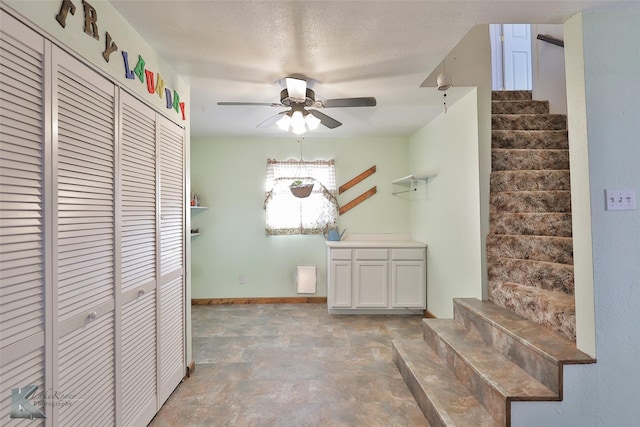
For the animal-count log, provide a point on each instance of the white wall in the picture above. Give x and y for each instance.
(606, 393)
(580, 188)
(229, 174)
(446, 212)
(469, 64)
(549, 82)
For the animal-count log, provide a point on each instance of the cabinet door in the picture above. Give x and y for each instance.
(371, 283)
(408, 286)
(340, 284)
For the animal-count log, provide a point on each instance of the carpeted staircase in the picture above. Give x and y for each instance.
(467, 370)
(529, 246)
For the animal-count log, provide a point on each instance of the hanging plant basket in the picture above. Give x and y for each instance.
(300, 189)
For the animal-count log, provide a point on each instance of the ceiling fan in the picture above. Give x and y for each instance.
(297, 96)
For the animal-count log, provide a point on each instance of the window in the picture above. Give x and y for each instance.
(287, 214)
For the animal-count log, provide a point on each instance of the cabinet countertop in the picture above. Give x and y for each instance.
(375, 244)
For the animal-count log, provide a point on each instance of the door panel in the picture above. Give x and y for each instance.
(171, 283)
(84, 153)
(22, 214)
(517, 56)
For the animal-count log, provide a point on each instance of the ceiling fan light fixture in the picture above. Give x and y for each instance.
(297, 89)
(297, 119)
(298, 130)
(284, 122)
(312, 121)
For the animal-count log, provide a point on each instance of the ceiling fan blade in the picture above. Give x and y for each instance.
(271, 120)
(329, 122)
(260, 104)
(369, 101)
(296, 88)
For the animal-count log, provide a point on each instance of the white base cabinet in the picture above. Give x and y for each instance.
(376, 278)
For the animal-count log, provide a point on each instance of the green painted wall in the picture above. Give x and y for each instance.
(445, 213)
(229, 174)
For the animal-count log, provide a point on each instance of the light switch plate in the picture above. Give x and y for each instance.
(620, 200)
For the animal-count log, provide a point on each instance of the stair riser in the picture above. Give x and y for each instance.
(530, 139)
(511, 95)
(527, 302)
(535, 224)
(492, 400)
(541, 368)
(552, 277)
(527, 180)
(536, 248)
(531, 202)
(528, 122)
(503, 160)
(520, 107)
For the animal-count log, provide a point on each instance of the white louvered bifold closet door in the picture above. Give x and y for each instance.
(171, 288)
(138, 264)
(84, 105)
(22, 219)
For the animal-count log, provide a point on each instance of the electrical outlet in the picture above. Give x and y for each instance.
(620, 200)
(242, 279)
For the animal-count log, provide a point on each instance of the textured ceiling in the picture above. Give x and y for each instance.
(241, 50)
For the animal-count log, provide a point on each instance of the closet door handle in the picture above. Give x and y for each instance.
(141, 292)
(92, 316)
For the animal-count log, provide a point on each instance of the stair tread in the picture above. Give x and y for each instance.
(502, 374)
(534, 224)
(530, 236)
(534, 191)
(453, 402)
(535, 261)
(540, 338)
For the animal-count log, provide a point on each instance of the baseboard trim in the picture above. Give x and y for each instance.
(269, 300)
(191, 368)
(429, 315)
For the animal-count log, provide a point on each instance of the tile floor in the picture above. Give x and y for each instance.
(293, 365)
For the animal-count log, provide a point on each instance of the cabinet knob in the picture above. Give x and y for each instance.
(141, 292)
(92, 316)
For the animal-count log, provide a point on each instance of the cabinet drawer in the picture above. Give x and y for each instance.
(344, 254)
(408, 254)
(377, 254)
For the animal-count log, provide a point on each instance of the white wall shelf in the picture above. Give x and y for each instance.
(195, 210)
(409, 183)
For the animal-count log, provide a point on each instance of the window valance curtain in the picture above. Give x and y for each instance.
(287, 214)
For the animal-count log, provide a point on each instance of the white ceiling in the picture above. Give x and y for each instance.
(241, 50)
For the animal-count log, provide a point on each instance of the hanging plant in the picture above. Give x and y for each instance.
(300, 189)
